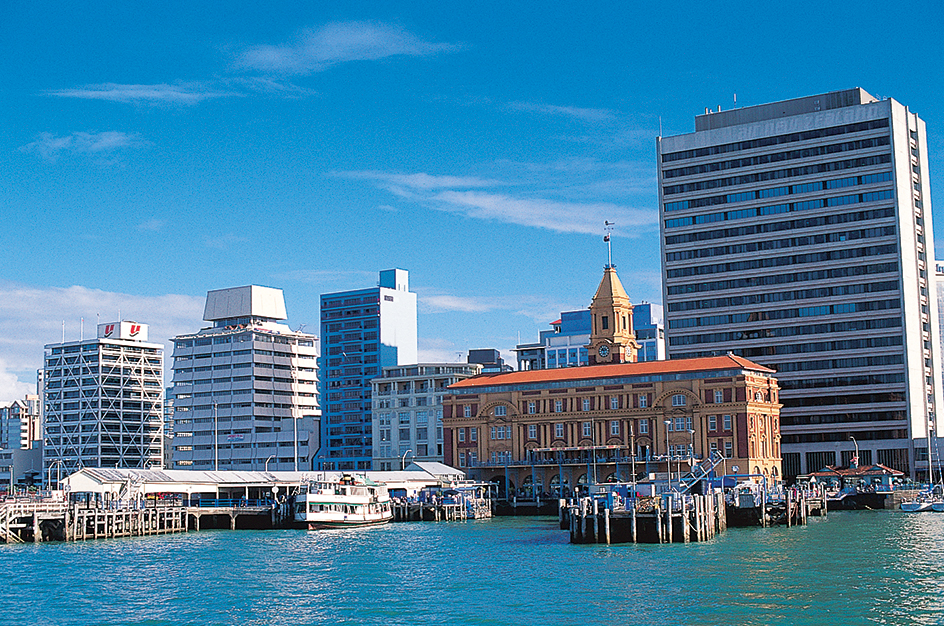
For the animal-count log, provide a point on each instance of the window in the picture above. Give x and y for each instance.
(615, 428)
(404, 418)
(604, 322)
(473, 434)
(586, 404)
(643, 400)
(532, 431)
(678, 399)
(467, 410)
(712, 422)
(719, 396)
(501, 411)
(713, 446)
(643, 427)
(614, 403)
(727, 422)
(559, 431)
(532, 407)
(728, 449)
(461, 435)
(558, 406)
(587, 429)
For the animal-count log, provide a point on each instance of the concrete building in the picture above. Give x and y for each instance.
(20, 424)
(103, 401)
(246, 388)
(363, 331)
(798, 234)
(407, 411)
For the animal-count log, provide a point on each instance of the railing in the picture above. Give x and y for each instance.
(230, 503)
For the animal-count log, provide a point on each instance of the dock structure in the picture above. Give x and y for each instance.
(671, 518)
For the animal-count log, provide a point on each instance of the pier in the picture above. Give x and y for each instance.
(670, 518)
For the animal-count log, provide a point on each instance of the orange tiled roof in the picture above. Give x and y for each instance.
(617, 370)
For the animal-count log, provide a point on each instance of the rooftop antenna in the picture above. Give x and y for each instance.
(81, 329)
(608, 227)
(63, 331)
(735, 100)
(660, 125)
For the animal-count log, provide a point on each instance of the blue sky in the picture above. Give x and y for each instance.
(148, 155)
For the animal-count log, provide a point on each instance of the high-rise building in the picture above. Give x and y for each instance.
(103, 401)
(407, 416)
(20, 426)
(246, 388)
(362, 331)
(798, 234)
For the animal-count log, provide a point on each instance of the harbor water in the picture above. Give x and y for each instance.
(870, 567)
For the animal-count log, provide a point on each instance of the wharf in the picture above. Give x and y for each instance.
(667, 519)
(57, 520)
(412, 511)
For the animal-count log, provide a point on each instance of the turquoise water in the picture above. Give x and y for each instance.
(869, 567)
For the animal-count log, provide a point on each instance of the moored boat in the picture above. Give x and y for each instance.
(347, 501)
(921, 503)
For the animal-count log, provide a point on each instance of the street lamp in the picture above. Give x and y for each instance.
(691, 449)
(216, 440)
(668, 457)
(272, 456)
(403, 460)
(856, 444)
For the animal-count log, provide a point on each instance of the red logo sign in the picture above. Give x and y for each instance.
(135, 329)
(109, 329)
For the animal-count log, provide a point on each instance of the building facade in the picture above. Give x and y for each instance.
(20, 423)
(407, 411)
(798, 234)
(103, 401)
(245, 389)
(362, 331)
(552, 430)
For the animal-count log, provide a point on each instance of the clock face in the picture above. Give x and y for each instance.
(603, 351)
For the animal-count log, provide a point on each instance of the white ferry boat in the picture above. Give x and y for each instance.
(347, 501)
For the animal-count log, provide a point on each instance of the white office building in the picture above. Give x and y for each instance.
(407, 411)
(103, 401)
(798, 234)
(246, 388)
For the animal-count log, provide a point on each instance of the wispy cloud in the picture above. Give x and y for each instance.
(419, 181)
(50, 146)
(154, 225)
(579, 113)
(437, 303)
(178, 94)
(224, 241)
(319, 277)
(565, 217)
(33, 316)
(315, 50)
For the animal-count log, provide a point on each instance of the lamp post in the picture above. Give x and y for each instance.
(403, 460)
(632, 450)
(272, 456)
(856, 444)
(668, 457)
(691, 450)
(216, 440)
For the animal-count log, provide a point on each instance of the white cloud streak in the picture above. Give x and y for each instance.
(316, 50)
(179, 94)
(33, 316)
(51, 146)
(578, 113)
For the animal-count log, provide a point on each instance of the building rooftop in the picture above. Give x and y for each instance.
(618, 370)
(785, 108)
(249, 301)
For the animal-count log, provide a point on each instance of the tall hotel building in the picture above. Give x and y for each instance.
(362, 331)
(103, 401)
(246, 388)
(798, 234)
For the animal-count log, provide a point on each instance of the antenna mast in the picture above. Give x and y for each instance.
(608, 227)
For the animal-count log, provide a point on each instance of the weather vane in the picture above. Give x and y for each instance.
(608, 227)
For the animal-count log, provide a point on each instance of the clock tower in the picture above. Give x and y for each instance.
(612, 338)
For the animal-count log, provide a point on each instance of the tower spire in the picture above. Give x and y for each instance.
(608, 227)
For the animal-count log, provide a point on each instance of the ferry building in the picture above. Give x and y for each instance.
(540, 430)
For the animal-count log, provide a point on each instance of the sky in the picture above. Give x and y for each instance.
(152, 152)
